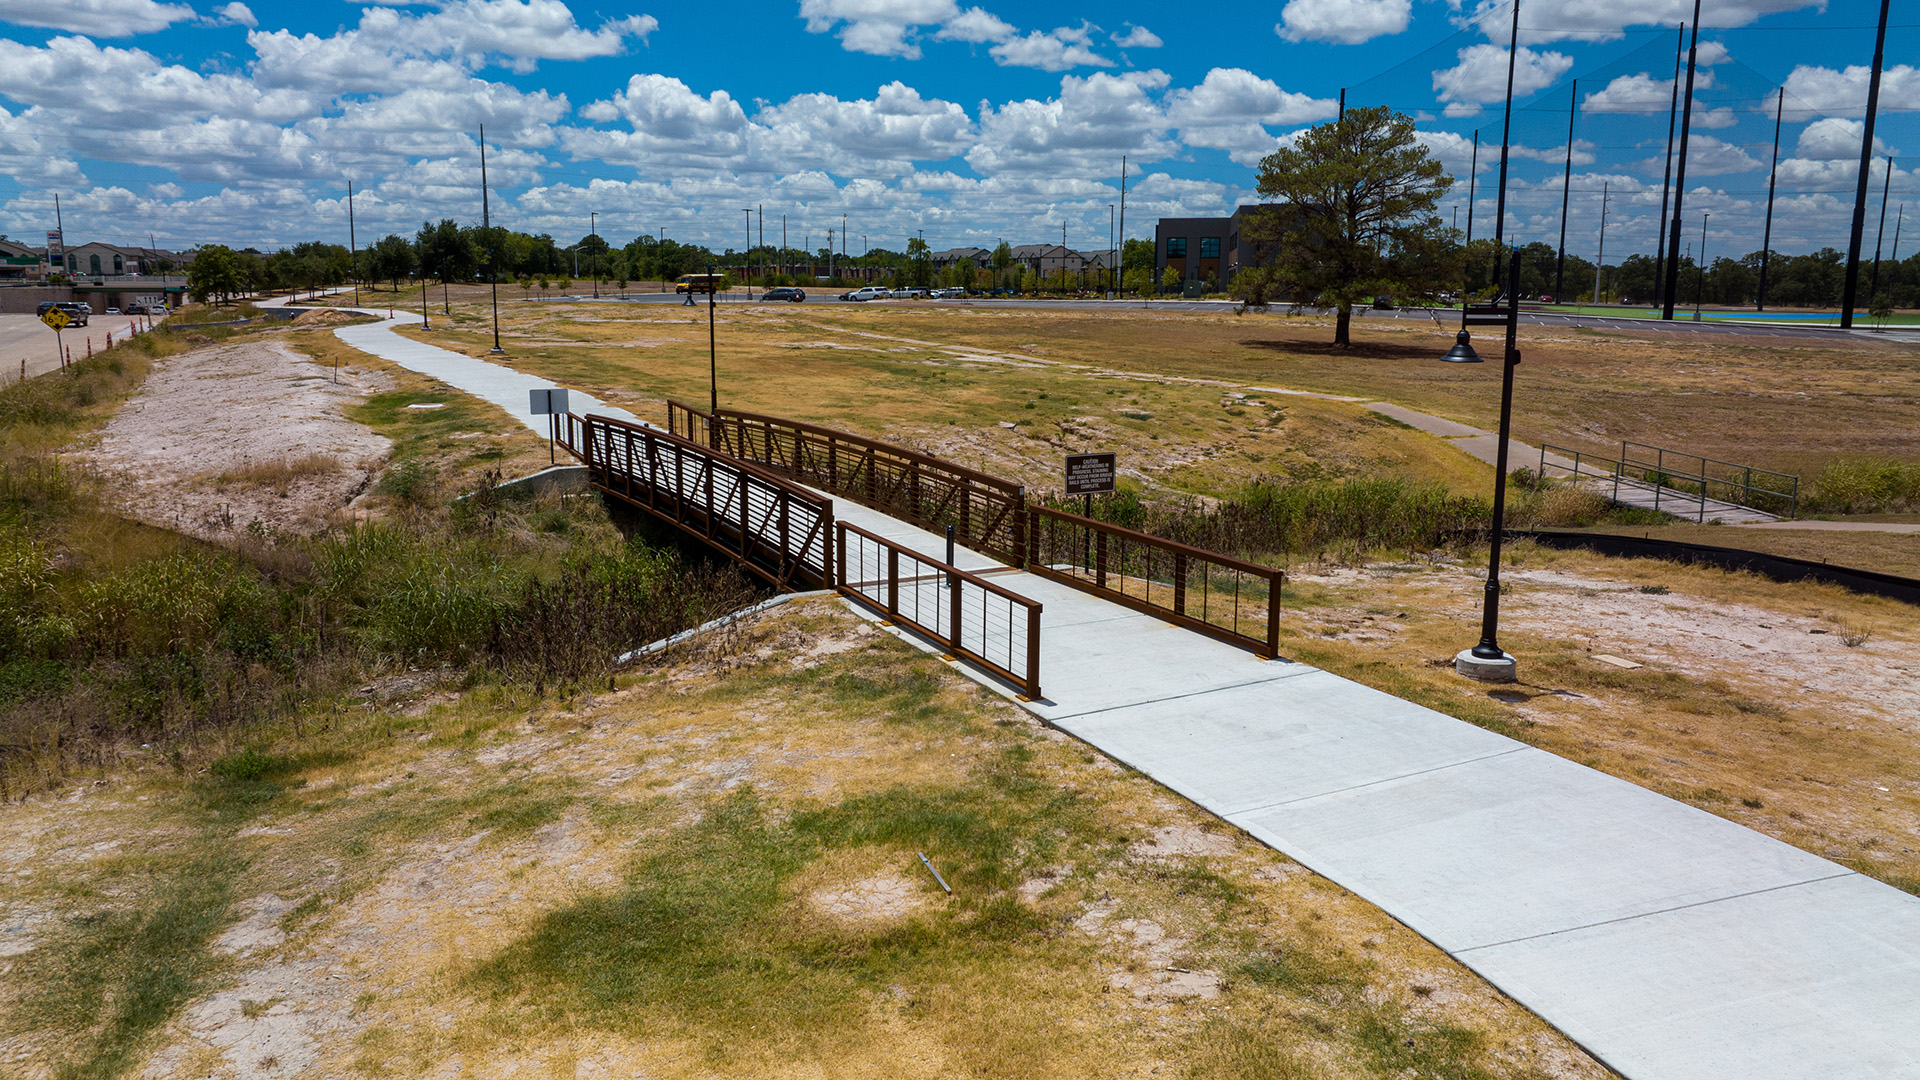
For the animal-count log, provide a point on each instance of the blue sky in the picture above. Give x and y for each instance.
(241, 123)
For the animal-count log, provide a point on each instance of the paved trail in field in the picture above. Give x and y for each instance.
(1668, 942)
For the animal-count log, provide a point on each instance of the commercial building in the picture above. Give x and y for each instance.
(1206, 251)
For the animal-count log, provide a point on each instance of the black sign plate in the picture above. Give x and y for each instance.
(1089, 474)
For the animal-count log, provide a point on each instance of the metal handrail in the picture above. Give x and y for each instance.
(690, 423)
(934, 598)
(1159, 577)
(776, 529)
(1661, 477)
(985, 510)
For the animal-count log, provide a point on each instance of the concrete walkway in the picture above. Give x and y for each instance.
(1669, 942)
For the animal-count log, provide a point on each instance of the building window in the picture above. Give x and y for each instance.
(1209, 247)
(1176, 247)
(119, 267)
(93, 261)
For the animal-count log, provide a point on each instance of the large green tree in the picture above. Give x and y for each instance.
(218, 273)
(1356, 217)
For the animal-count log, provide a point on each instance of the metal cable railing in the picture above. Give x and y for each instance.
(985, 511)
(1228, 598)
(968, 615)
(776, 529)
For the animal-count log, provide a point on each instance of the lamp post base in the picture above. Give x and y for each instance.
(1474, 667)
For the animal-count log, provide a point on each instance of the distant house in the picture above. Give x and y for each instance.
(977, 257)
(1198, 248)
(1048, 259)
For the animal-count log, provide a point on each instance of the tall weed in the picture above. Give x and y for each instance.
(1864, 486)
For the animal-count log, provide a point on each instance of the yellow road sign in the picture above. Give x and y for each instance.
(56, 318)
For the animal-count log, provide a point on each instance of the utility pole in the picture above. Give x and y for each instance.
(1866, 161)
(1680, 168)
(593, 227)
(1600, 262)
(747, 210)
(1873, 290)
(762, 249)
(1123, 217)
(1566, 190)
(353, 248)
(830, 255)
(1666, 180)
(1700, 290)
(1773, 173)
(785, 255)
(1110, 263)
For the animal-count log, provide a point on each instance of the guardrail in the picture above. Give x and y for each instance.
(1230, 599)
(987, 513)
(972, 617)
(1680, 479)
(775, 529)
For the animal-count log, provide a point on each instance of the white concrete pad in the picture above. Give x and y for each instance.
(1299, 734)
(1813, 982)
(1516, 845)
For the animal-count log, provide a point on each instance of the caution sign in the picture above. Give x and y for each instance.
(1089, 474)
(56, 318)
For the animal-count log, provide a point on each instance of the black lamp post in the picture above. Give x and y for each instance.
(713, 363)
(1487, 661)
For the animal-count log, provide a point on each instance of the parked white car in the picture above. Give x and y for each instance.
(869, 292)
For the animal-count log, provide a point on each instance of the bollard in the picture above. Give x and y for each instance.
(89, 346)
(109, 339)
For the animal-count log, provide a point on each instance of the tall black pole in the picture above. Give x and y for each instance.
(1666, 180)
(1866, 162)
(1462, 350)
(1680, 169)
(1880, 235)
(353, 248)
(744, 260)
(713, 362)
(1123, 220)
(1773, 173)
(1566, 190)
(1488, 652)
(1506, 132)
(493, 246)
(1343, 106)
(1700, 289)
(593, 227)
(1600, 261)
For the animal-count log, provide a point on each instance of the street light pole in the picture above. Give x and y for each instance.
(593, 227)
(1700, 288)
(745, 256)
(1486, 661)
(713, 363)
(493, 247)
(1600, 262)
(1462, 351)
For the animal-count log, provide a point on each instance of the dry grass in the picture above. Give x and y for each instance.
(1009, 412)
(714, 872)
(278, 474)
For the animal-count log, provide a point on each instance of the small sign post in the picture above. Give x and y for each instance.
(1089, 475)
(552, 401)
(58, 320)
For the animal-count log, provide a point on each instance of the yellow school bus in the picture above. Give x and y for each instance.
(699, 283)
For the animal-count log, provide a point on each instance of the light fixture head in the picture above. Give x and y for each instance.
(1462, 351)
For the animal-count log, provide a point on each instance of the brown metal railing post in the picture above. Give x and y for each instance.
(953, 613)
(1100, 560)
(1033, 651)
(893, 582)
(1273, 614)
(840, 534)
(1179, 583)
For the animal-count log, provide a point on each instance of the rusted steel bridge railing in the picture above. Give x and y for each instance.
(775, 529)
(971, 617)
(1230, 599)
(987, 513)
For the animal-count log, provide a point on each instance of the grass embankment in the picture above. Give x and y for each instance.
(715, 872)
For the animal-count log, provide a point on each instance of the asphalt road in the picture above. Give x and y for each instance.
(1444, 318)
(25, 337)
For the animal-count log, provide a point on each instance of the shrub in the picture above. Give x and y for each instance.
(1864, 486)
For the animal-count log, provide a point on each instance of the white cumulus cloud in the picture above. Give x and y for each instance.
(1481, 75)
(1835, 139)
(1823, 90)
(95, 18)
(1348, 22)
(1138, 37)
(1061, 49)
(1230, 108)
(1598, 20)
(877, 27)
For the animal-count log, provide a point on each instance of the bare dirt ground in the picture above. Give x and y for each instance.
(224, 437)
